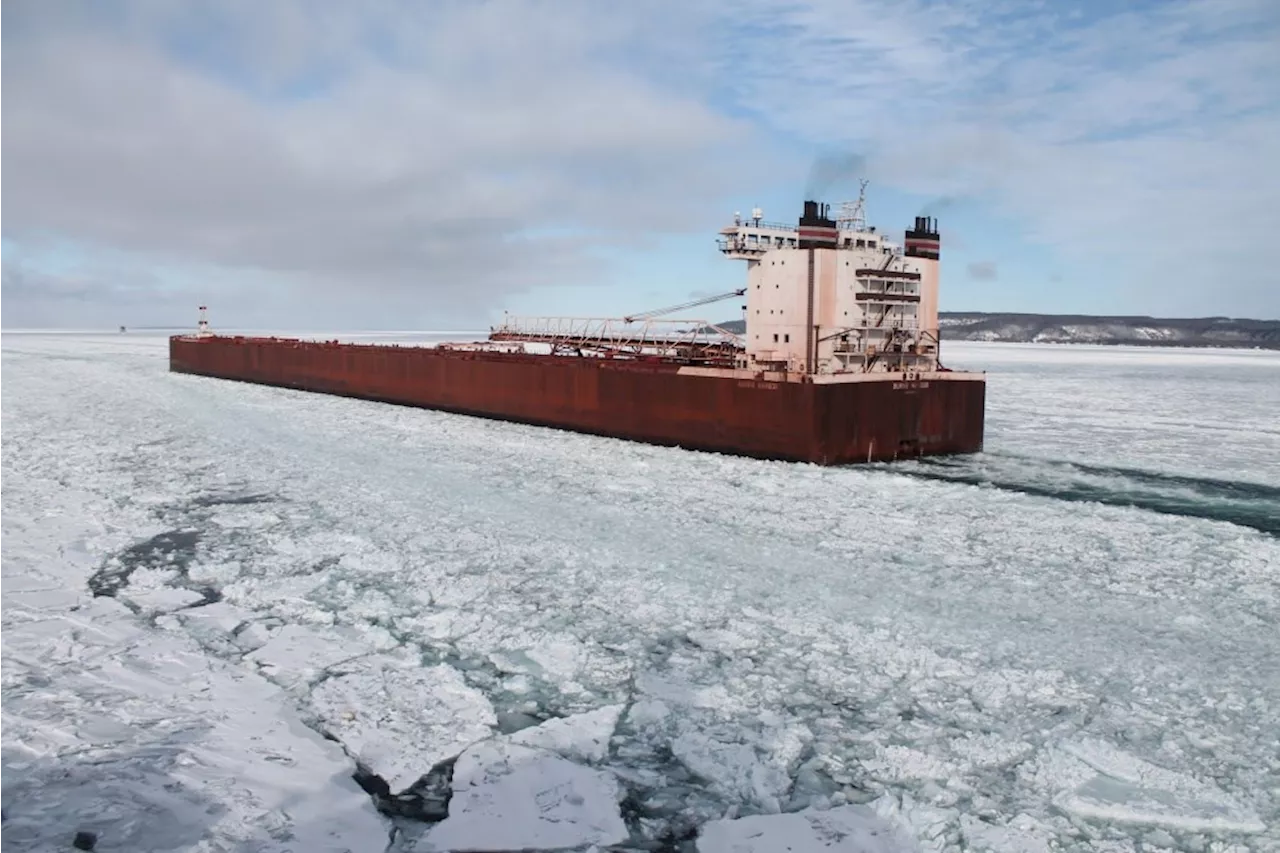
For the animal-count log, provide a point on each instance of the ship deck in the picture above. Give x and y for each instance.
(539, 352)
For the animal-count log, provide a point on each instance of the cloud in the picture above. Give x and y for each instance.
(406, 151)
(983, 271)
(392, 162)
(1143, 140)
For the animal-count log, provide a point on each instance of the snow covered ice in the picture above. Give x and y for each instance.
(221, 600)
(130, 731)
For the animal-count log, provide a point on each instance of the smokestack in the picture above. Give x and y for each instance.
(817, 229)
(923, 241)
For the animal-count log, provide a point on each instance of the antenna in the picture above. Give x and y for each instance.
(853, 214)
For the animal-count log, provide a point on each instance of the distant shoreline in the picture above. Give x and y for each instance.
(1191, 333)
(1194, 332)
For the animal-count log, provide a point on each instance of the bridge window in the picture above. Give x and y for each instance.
(786, 339)
(775, 338)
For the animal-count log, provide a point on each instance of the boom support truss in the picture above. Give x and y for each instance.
(638, 336)
(691, 342)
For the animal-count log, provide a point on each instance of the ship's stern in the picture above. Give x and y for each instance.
(899, 417)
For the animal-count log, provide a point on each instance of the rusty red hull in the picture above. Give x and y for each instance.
(826, 424)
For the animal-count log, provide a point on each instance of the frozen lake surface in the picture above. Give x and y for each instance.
(221, 599)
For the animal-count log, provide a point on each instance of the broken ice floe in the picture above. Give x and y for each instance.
(151, 602)
(399, 719)
(557, 658)
(512, 797)
(753, 771)
(896, 763)
(930, 826)
(1022, 834)
(845, 829)
(750, 762)
(225, 629)
(298, 655)
(580, 737)
(1120, 788)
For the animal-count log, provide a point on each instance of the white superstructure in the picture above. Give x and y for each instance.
(834, 296)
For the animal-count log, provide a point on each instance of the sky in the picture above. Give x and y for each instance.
(402, 164)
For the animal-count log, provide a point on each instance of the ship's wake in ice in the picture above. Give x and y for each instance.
(250, 618)
(1249, 504)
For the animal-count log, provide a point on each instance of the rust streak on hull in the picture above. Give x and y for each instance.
(651, 402)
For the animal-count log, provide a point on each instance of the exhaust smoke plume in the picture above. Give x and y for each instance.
(937, 205)
(829, 169)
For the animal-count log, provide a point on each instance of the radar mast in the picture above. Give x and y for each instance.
(853, 214)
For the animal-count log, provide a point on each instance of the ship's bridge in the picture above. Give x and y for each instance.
(747, 239)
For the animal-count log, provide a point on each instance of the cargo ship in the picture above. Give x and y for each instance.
(836, 360)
